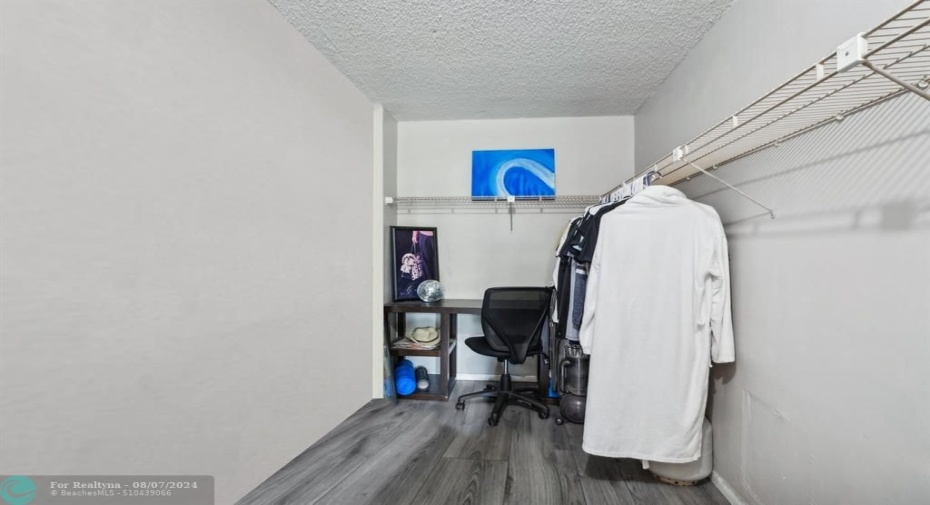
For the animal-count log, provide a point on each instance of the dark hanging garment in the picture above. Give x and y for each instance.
(563, 290)
(578, 288)
(588, 230)
(582, 239)
(574, 255)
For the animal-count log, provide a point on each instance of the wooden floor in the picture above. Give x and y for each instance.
(420, 452)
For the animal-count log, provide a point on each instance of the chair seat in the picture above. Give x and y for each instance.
(480, 345)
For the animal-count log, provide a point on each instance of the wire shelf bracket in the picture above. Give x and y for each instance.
(734, 188)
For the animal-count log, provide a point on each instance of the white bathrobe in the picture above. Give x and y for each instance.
(657, 311)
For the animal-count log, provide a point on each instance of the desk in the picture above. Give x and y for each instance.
(440, 385)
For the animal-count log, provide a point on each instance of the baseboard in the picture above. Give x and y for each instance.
(492, 377)
(726, 489)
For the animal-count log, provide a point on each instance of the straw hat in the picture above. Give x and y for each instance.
(424, 335)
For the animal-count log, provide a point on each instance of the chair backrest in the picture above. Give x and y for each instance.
(513, 319)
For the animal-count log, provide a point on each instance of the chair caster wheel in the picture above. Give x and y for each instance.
(544, 414)
(559, 421)
(493, 420)
(460, 406)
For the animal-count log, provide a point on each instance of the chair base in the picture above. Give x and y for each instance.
(503, 395)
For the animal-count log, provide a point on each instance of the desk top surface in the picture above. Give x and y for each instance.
(454, 306)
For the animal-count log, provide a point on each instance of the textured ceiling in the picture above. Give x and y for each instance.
(448, 59)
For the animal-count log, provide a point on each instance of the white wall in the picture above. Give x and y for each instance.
(385, 184)
(829, 398)
(478, 250)
(182, 277)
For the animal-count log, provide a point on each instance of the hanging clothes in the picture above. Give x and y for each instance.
(657, 311)
(564, 275)
(582, 238)
(576, 248)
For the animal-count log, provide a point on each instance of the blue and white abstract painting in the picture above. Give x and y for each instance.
(516, 172)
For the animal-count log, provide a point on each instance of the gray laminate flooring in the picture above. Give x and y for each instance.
(419, 452)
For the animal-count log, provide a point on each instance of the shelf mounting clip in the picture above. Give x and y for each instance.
(855, 51)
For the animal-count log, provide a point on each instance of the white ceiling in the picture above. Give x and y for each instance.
(448, 59)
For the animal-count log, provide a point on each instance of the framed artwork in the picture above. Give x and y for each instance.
(516, 172)
(415, 258)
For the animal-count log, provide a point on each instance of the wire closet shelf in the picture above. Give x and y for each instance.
(893, 59)
(452, 203)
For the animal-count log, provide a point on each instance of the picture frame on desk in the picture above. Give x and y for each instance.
(414, 259)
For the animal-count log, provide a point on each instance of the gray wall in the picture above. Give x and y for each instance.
(829, 398)
(385, 216)
(390, 189)
(184, 252)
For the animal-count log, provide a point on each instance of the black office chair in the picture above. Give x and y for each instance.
(513, 320)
